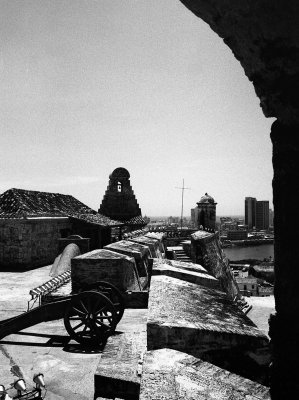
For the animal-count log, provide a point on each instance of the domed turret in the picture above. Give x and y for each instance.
(204, 215)
(206, 199)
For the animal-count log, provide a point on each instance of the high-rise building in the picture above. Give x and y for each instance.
(262, 215)
(250, 212)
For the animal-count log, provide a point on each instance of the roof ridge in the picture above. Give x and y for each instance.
(23, 203)
(38, 191)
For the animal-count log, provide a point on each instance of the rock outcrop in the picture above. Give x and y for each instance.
(264, 36)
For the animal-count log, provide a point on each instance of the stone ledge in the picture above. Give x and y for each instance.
(195, 319)
(117, 373)
(187, 274)
(173, 375)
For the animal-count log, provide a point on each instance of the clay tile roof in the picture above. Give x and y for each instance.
(135, 221)
(20, 203)
(96, 218)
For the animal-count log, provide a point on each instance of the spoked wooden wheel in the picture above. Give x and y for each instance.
(113, 294)
(90, 318)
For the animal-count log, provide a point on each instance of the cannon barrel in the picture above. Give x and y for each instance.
(46, 312)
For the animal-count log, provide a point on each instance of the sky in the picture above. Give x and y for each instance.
(89, 86)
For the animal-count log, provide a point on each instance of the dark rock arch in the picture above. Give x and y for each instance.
(264, 36)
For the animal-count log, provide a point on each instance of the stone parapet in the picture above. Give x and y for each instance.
(205, 323)
(206, 250)
(188, 272)
(174, 375)
(138, 251)
(105, 265)
(152, 243)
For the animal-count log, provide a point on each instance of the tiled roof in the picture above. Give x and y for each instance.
(96, 218)
(20, 203)
(135, 221)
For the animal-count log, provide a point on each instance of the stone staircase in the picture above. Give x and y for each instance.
(181, 255)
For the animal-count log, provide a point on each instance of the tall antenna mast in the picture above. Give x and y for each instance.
(183, 188)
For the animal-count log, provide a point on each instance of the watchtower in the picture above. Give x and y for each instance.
(119, 199)
(205, 212)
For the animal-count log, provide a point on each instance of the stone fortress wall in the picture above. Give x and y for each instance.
(206, 250)
(184, 309)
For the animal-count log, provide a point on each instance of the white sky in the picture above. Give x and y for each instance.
(89, 86)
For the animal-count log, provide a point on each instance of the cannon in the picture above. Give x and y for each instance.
(91, 307)
(90, 315)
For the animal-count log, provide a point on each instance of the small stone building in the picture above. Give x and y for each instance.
(248, 286)
(119, 201)
(31, 223)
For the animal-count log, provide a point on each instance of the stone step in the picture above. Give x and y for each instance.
(184, 258)
(181, 255)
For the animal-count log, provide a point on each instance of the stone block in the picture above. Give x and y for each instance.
(138, 251)
(152, 243)
(104, 265)
(203, 322)
(173, 375)
(187, 272)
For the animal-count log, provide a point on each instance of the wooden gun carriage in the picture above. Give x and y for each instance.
(93, 308)
(90, 316)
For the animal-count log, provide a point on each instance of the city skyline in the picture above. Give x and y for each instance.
(91, 86)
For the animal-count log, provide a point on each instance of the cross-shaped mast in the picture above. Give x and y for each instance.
(183, 188)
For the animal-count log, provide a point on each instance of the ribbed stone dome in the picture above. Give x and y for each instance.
(206, 199)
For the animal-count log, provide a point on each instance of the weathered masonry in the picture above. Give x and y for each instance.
(31, 223)
(183, 313)
(264, 36)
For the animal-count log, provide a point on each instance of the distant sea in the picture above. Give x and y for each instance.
(260, 252)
